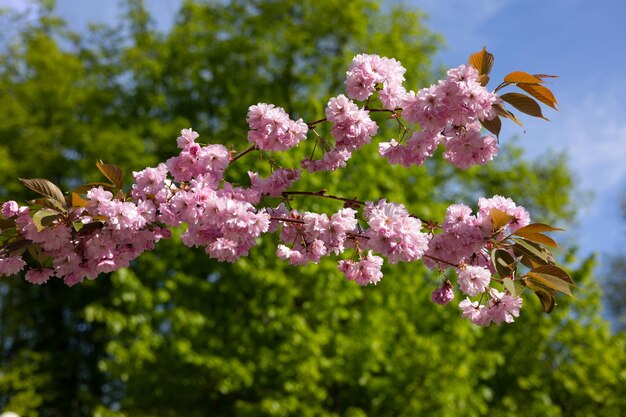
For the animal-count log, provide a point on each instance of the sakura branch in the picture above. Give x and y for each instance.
(100, 228)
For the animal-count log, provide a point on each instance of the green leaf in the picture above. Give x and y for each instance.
(113, 173)
(522, 77)
(482, 61)
(549, 281)
(44, 218)
(504, 263)
(37, 253)
(45, 188)
(532, 252)
(78, 225)
(524, 104)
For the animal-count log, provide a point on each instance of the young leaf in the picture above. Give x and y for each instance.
(542, 76)
(555, 271)
(522, 77)
(540, 92)
(45, 188)
(537, 228)
(494, 125)
(503, 262)
(482, 61)
(499, 218)
(78, 225)
(515, 287)
(547, 300)
(38, 254)
(549, 281)
(538, 238)
(78, 201)
(523, 103)
(113, 173)
(504, 112)
(44, 218)
(535, 253)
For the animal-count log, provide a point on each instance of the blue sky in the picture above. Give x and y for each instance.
(579, 40)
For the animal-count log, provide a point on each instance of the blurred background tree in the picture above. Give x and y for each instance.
(180, 335)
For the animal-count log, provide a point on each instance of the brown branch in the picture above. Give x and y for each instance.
(322, 193)
(244, 152)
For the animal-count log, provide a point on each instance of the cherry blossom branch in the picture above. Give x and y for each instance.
(246, 151)
(353, 202)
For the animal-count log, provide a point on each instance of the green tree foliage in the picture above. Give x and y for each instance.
(178, 334)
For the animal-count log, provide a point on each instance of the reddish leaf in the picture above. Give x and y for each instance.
(542, 76)
(494, 125)
(549, 281)
(555, 271)
(537, 228)
(523, 103)
(522, 77)
(540, 92)
(78, 201)
(499, 218)
(504, 112)
(538, 238)
(113, 173)
(45, 188)
(482, 61)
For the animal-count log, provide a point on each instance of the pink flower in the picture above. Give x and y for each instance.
(444, 294)
(504, 307)
(10, 209)
(474, 280)
(272, 130)
(365, 271)
(466, 148)
(39, 276)
(187, 138)
(11, 265)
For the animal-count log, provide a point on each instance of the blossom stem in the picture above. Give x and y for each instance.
(312, 125)
(441, 260)
(322, 193)
(244, 152)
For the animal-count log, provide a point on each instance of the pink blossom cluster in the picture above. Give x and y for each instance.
(364, 271)
(87, 246)
(307, 237)
(501, 308)
(464, 235)
(394, 233)
(271, 129)
(449, 113)
(352, 128)
(463, 242)
(367, 73)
